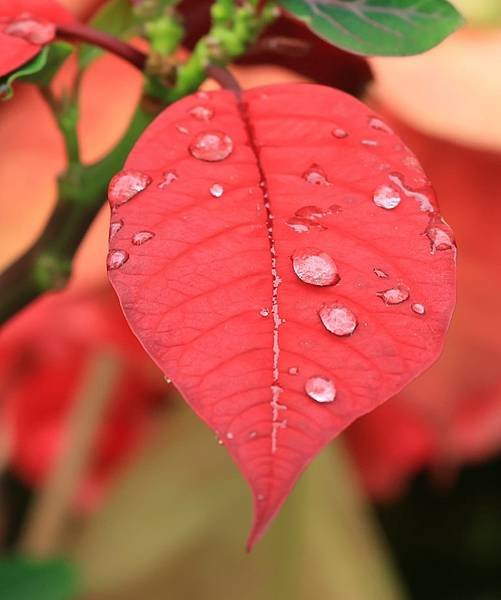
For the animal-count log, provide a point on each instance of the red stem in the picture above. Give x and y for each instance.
(83, 33)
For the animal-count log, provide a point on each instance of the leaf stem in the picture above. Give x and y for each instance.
(224, 77)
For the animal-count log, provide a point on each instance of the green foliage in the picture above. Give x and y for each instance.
(40, 70)
(378, 27)
(24, 579)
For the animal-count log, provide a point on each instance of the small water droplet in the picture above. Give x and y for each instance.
(167, 380)
(380, 273)
(115, 227)
(252, 435)
(141, 237)
(419, 309)
(310, 212)
(338, 319)
(169, 177)
(125, 185)
(339, 133)
(440, 235)
(315, 267)
(370, 143)
(216, 190)
(229, 435)
(202, 113)
(264, 312)
(395, 295)
(211, 146)
(32, 30)
(116, 259)
(260, 497)
(202, 95)
(316, 175)
(320, 389)
(182, 129)
(385, 196)
(379, 124)
(293, 370)
(301, 225)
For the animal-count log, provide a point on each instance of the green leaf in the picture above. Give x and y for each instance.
(25, 579)
(116, 18)
(40, 70)
(378, 27)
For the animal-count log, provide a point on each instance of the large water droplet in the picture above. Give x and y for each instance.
(394, 295)
(338, 319)
(216, 190)
(421, 196)
(115, 227)
(125, 185)
(440, 235)
(419, 309)
(320, 389)
(310, 212)
(315, 267)
(141, 237)
(211, 146)
(385, 196)
(379, 125)
(116, 259)
(169, 177)
(380, 273)
(339, 133)
(302, 225)
(202, 113)
(316, 175)
(32, 30)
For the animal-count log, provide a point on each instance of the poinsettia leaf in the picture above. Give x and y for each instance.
(40, 70)
(282, 260)
(378, 27)
(35, 20)
(25, 579)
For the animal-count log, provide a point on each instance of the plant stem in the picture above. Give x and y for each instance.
(83, 33)
(225, 78)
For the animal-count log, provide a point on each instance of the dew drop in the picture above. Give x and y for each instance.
(125, 185)
(338, 319)
(440, 236)
(202, 95)
(320, 389)
(379, 125)
(386, 197)
(264, 312)
(230, 435)
(116, 259)
(141, 237)
(302, 225)
(293, 371)
(380, 273)
(316, 175)
(419, 309)
(372, 143)
(260, 497)
(211, 146)
(31, 30)
(182, 129)
(167, 380)
(202, 113)
(395, 295)
(169, 177)
(310, 212)
(421, 196)
(216, 190)
(339, 133)
(115, 227)
(315, 267)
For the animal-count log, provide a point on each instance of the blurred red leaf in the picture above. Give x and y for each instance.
(226, 195)
(25, 27)
(43, 355)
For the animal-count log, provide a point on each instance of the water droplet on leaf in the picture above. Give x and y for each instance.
(182, 129)
(293, 371)
(320, 389)
(419, 309)
(316, 175)
(395, 295)
(339, 133)
(302, 225)
(202, 113)
(379, 125)
(440, 235)
(380, 273)
(310, 212)
(141, 237)
(169, 177)
(370, 143)
(211, 146)
(216, 190)
(386, 197)
(125, 185)
(338, 319)
(32, 30)
(115, 228)
(421, 196)
(264, 312)
(315, 267)
(116, 259)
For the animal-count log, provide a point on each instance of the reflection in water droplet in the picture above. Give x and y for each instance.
(169, 177)
(141, 237)
(386, 197)
(293, 371)
(320, 389)
(182, 129)
(115, 228)
(211, 146)
(264, 312)
(315, 267)
(419, 309)
(395, 295)
(380, 125)
(421, 196)
(31, 30)
(125, 185)
(338, 319)
(202, 113)
(310, 212)
(301, 225)
(116, 258)
(339, 133)
(216, 190)
(380, 273)
(316, 175)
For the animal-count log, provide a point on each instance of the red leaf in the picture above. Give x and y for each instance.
(25, 27)
(215, 299)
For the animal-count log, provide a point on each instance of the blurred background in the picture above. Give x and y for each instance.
(147, 505)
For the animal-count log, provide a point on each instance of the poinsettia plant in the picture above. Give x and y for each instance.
(278, 251)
